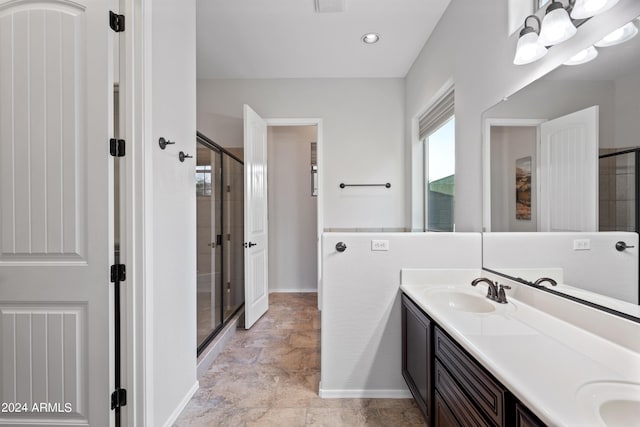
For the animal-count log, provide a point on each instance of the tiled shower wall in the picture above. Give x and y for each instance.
(617, 191)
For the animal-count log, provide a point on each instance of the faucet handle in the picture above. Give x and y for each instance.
(502, 295)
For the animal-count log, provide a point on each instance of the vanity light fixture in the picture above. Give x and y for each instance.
(529, 48)
(584, 56)
(556, 25)
(370, 38)
(621, 35)
(587, 8)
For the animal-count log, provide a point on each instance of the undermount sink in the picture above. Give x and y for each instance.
(462, 301)
(611, 404)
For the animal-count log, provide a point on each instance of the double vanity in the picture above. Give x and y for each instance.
(533, 360)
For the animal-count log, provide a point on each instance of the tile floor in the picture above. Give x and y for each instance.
(269, 376)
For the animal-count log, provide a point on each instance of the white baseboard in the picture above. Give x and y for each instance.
(293, 291)
(183, 403)
(364, 394)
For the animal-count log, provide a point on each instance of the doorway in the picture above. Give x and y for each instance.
(293, 207)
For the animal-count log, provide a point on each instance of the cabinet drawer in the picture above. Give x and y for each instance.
(485, 391)
(442, 415)
(457, 401)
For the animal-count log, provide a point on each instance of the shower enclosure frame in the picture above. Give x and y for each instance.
(212, 145)
(636, 153)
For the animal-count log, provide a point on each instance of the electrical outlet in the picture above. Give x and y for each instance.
(379, 245)
(582, 245)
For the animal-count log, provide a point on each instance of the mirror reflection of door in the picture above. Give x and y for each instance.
(562, 159)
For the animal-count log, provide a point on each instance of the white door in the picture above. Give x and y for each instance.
(568, 192)
(56, 212)
(256, 283)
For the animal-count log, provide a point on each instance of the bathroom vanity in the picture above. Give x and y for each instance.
(445, 380)
(470, 361)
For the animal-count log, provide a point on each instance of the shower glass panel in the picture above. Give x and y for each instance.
(220, 238)
(233, 183)
(618, 195)
(209, 255)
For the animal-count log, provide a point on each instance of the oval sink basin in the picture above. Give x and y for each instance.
(463, 302)
(611, 404)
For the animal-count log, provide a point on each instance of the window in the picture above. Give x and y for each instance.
(440, 174)
(437, 133)
(203, 180)
(537, 4)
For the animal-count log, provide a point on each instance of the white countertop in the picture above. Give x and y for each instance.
(542, 360)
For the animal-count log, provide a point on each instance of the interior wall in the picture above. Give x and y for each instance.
(470, 47)
(362, 130)
(627, 111)
(508, 144)
(551, 99)
(292, 210)
(361, 317)
(601, 269)
(172, 260)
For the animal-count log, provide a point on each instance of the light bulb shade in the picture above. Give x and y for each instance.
(583, 56)
(621, 35)
(583, 9)
(556, 26)
(528, 49)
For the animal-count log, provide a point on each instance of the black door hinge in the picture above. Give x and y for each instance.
(119, 398)
(116, 147)
(118, 273)
(116, 22)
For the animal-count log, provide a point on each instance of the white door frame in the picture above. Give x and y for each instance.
(136, 222)
(319, 209)
(486, 159)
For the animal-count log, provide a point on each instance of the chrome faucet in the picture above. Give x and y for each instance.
(493, 293)
(545, 279)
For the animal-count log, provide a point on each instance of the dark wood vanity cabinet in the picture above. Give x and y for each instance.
(524, 417)
(449, 385)
(416, 355)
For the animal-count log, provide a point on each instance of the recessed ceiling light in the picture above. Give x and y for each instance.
(370, 38)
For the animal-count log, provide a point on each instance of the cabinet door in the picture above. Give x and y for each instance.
(443, 417)
(416, 354)
(524, 417)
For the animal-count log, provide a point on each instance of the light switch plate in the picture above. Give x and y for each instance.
(379, 245)
(582, 245)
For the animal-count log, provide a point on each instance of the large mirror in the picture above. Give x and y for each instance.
(561, 164)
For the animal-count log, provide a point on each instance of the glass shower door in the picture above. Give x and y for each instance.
(208, 238)
(233, 183)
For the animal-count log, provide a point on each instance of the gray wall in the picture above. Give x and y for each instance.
(293, 229)
(509, 143)
(363, 137)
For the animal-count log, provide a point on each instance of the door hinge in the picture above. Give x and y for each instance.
(119, 398)
(116, 147)
(228, 189)
(218, 239)
(116, 22)
(118, 273)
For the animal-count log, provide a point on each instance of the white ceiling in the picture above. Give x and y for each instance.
(288, 39)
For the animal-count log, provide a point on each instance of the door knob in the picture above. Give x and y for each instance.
(621, 246)
(250, 245)
(341, 247)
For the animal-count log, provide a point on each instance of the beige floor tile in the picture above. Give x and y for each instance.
(270, 375)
